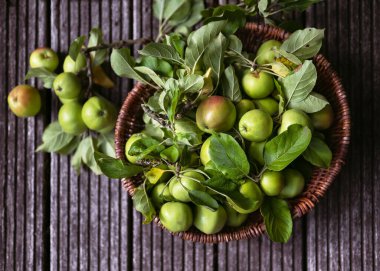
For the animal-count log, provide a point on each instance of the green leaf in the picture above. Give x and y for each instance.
(76, 47)
(175, 8)
(304, 43)
(158, 9)
(95, 39)
(175, 40)
(262, 6)
(298, 85)
(234, 43)
(318, 153)
(155, 78)
(143, 204)
(162, 51)
(46, 76)
(145, 146)
(213, 57)
(88, 154)
(160, 66)
(230, 85)
(187, 132)
(277, 218)
(199, 40)
(281, 98)
(298, 5)
(191, 83)
(227, 156)
(71, 147)
(115, 168)
(292, 58)
(54, 138)
(122, 64)
(233, 14)
(202, 198)
(280, 151)
(195, 14)
(310, 104)
(106, 144)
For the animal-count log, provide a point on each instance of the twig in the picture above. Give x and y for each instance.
(163, 122)
(117, 44)
(89, 75)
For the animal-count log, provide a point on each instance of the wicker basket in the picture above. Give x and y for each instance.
(328, 84)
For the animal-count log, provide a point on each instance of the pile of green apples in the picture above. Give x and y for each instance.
(256, 118)
(77, 114)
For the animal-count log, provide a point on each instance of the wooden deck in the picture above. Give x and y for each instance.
(52, 219)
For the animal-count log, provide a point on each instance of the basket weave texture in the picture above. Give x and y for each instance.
(328, 83)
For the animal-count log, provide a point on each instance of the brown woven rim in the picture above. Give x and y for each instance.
(329, 84)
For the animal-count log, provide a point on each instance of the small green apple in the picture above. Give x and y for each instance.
(69, 65)
(234, 218)
(256, 125)
(179, 187)
(252, 191)
(267, 104)
(159, 193)
(67, 86)
(272, 182)
(266, 54)
(294, 116)
(243, 106)
(256, 152)
(44, 58)
(176, 216)
(128, 145)
(99, 114)
(204, 154)
(294, 183)
(70, 118)
(24, 101)
(216, 114)
(208, 221)
(257, 85)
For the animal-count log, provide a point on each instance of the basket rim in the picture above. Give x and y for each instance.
(301, 205)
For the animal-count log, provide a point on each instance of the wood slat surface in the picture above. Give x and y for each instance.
(53, 219)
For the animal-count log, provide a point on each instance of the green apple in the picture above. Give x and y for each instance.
(216, 114)
(204, 154)
(323, 119)
(294, 116)
(257, 85)
(252, 191)
(266, 53)
(243, 106)
(294, 183)
(159, 193)
(208, 221)
(67, 86)
(24, 101)
(128, 145)
(267, 104)
(272, 182)
(234, 218)
(256, 125)
(69, 65)
(176, 216)
(179, 187)
(256, 152)
(44, 58)
(99, 114)
(70, 118)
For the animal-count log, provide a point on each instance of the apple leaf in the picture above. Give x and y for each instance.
(213, 57)
(47, 77)
(202, 198)
(318, 153)
(54, 138)
(115, 168)
(227, 156)
(191, 83)
(154, 76)
(297, 86)
(162, 51)
(106, 144)
(194, 17)
(95, 39)
(230, 85)
(122, 64)
(304, 43)
(310, 104)
(199, 40)
(76, 47)
(280, 151)
(143, 204)
(277, 218)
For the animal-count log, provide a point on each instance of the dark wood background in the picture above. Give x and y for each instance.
(50, 218)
